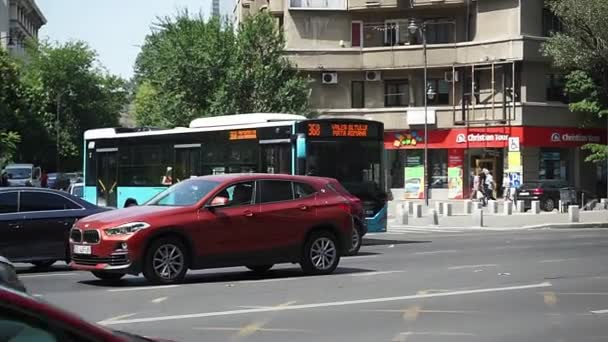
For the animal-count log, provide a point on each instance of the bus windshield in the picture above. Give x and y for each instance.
(186, 193)
(355, 164)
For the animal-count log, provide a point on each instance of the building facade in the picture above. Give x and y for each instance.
(493, 100)
(20, 20)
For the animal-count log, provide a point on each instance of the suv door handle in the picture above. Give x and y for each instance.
(14, 225)
(248, 213)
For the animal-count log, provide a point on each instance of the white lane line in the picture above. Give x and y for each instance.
(158, 300)
(369, 274)
(437, 252)
(256, 329)
(143, 288)
(324, 305)
(47, 275)
(462, 267)
(359, 257)
(600, 311)
(119, 317)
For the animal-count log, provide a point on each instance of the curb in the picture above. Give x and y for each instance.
(580, 225)
(569, 225)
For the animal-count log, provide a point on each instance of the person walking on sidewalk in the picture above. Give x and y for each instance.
(481, 191)
(489, 185)
(474, 185)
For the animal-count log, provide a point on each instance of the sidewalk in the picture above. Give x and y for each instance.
(460, 221)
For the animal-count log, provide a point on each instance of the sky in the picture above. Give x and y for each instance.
(114, 28)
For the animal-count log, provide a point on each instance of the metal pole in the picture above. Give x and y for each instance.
(57, 131)
(426, 128)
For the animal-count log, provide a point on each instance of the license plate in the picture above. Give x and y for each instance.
(524, 193)
(78, 249)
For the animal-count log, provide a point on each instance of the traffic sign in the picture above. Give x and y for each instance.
(514, 144)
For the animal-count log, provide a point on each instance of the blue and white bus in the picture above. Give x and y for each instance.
(129, 166)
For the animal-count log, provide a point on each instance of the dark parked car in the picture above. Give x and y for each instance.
(35, 223)
(58, 181)
(8, 275)
(252, 220)
(548, 193)
(24, 318)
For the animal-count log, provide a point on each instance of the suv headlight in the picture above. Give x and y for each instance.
(126, 229)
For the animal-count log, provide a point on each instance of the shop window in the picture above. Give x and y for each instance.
(553, 165)
(438, 169)
(555, 86)
(396, 93)
(357, 94)
(442, 92)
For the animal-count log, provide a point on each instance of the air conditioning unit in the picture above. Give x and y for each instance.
(372, 76)
(329, 78)
(452, 76)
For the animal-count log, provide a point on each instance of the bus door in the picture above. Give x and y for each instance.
(107, 170)
(276, 156)
(187, 161)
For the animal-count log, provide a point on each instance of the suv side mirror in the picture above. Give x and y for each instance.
(217, 202)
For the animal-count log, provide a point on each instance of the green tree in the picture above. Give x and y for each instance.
(13, 111)
(70, 93)
(581, 50)
(190, 68)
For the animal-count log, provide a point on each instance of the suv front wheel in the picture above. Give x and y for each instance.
(166, 261)
(321, 254)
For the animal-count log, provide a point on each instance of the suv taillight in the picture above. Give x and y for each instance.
(538, 191)
(346, 207)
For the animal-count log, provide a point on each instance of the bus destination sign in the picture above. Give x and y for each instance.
(349, 130)
(244, 134)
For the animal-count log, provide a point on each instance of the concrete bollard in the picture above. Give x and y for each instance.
(560, 208)
(573, 213)
(468, 207)
(478, 205)
(492, 207)
(520, 207)
(604, 203)
(409, 206)
(535, 207)
(399, 208)
(508, 208)
(403, 216)
(447, 209)
(478, 218)
(417, 210)
(439, 208)
(435, 217)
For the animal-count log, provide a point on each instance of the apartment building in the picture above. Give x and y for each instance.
(492, 99)
(19, 20)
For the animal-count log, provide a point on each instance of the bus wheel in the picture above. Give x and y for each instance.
(130, 203)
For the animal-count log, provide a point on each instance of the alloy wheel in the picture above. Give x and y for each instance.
(323, 253)
(168, 261)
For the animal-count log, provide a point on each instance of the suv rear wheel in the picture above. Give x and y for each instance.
(166, 261)
(357, 240)
(321, 254)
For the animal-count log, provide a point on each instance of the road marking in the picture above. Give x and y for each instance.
(143, 288)
(258, 329)
(428, 311)
(555, 260)
(600, 311)
(471, 266)
(46, 275)
(411, 313)
(271, 280)
(159, 300)
(119, 317)
(369, 274)
(325, 305)
(582, 293)
(360, 257)
(437, 252)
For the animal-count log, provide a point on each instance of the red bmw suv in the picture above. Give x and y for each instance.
(252, 220)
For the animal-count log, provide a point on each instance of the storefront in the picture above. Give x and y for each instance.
(516, 152)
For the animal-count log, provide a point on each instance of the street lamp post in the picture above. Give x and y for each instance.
(429, 94)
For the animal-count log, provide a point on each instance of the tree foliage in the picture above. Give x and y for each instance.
(581, 50)
(66, 89)
(190, 68)
(13, 108)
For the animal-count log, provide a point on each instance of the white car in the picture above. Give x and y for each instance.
(77, 189)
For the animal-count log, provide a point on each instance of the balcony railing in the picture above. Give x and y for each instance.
(317, 4)
(420, 3)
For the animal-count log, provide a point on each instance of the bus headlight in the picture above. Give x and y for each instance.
(126, 229)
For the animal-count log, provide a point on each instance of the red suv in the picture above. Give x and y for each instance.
(252, 220)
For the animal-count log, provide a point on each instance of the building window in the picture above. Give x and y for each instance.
(357, 94)
(396, 93)
(442, 92)
(553, 164)
(396, 32)
(551, 23)
(440, 33)
(555, 86)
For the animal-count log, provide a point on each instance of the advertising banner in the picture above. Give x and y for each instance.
(414, 176)
(455, 173)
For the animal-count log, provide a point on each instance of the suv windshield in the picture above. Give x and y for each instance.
(183, 194)
(19, 173)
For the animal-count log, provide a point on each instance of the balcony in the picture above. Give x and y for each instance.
(436, 3)
(318, 5)
(411, 56)
(372, 4)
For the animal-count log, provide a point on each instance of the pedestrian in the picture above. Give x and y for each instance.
(167, 179)
(489, 185)
(4, 179)
(481, 193)
(44, 179)
(506, 187)
(474, 185)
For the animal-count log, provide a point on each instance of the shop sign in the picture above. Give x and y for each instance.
(461, 138)
(583, 138)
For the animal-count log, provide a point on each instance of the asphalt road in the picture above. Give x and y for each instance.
(478, 286)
